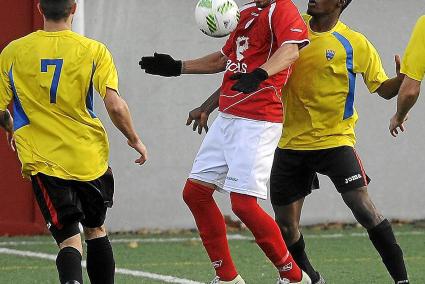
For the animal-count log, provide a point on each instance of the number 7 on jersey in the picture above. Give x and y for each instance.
(58, 63)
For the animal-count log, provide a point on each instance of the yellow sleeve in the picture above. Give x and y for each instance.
(6, 94)
(369, 64)
(414, 56)
(105, 74)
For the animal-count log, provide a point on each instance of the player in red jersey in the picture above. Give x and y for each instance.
(237, 154)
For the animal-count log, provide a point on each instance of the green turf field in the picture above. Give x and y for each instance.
(342, 256)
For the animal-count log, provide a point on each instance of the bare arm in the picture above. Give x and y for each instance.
(212, 63)
(409, 93)
(6, 122)
(200, 115)
(120, 115)
(390, 88)
(284, 57)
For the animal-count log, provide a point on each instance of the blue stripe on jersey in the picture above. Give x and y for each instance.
(90, 98)
(20, 119)
(349, 103)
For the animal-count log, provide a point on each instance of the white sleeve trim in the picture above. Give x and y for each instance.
(296, 41)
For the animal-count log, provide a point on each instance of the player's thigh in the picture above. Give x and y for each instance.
(96, 197)
(210, 165)
(291, 179)
(344, 167)
(59, 204)
(249, 150)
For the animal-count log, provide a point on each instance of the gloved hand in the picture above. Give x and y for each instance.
(249, 82)
(162, 65)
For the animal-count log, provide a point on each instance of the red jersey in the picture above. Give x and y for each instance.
(259, 34)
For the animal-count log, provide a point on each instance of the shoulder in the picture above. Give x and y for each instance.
(96, 48)
(19, 45)
(358, 40)
(87, 42)
(421, 22)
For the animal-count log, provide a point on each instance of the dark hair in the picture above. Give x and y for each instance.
(56, 10)
(347, 2)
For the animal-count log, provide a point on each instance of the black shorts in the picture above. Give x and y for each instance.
(294, 173)
(67, 202)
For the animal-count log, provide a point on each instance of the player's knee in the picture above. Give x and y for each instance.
(289, 231)
(94, 233)
(74, 242)
(243, 205)
(194, 193)
(368, 219)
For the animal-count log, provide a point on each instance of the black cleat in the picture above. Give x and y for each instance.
(321, 280)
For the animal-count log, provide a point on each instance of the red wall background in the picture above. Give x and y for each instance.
(19, 213)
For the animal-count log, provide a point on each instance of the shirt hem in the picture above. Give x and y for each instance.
(66, 176)
(253, 117)
(312, 148)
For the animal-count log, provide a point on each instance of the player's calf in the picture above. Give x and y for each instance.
(267, 235)
(100, 257)
(380, 232)
(68, 261)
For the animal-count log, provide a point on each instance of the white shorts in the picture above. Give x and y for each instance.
(237, 155)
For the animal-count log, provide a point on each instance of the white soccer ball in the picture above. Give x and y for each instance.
(217, 18)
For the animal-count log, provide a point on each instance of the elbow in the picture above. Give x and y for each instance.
(118, 109)
(295, 56)
(411, 94)
(221, 64)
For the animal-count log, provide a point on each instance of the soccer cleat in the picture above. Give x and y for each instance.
(321, 280)
(304, 280)
(237, 280)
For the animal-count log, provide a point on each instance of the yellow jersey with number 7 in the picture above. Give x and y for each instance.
(49, 77)
(414, 57)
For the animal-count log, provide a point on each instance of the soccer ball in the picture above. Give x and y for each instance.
(217, 18)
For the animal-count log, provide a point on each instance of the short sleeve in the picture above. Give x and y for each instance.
(414, 57)
(229, 45)
(288, 25)
(369, 64)
(105, 74)
(6, 94)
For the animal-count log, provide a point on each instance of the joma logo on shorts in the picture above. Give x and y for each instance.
(232, 178)
(353, 178)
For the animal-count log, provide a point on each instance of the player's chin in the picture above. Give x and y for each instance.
(312, 12)
(262, 3)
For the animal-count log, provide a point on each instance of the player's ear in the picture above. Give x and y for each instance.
(39, 9)
(342, 3)
(74, 8)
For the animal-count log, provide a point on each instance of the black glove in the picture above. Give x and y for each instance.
(161, 64)
(249, 82)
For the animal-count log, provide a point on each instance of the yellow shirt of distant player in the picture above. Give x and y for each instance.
(50, 76)
(414, 57)
(319, 96)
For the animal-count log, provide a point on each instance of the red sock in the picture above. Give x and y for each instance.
(267, 234)
(212, 228)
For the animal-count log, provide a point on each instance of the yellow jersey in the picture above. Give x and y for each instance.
(319, 96)
(414, 57)
(50, 76)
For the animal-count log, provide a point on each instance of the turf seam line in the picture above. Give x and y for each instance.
(136, 273)
(236, 237)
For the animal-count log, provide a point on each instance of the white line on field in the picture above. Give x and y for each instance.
(232, 237)
(136, 273)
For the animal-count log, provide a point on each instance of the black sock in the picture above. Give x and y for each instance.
(382, 237)
(297, 251)
(68, 263)
(100, 261)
